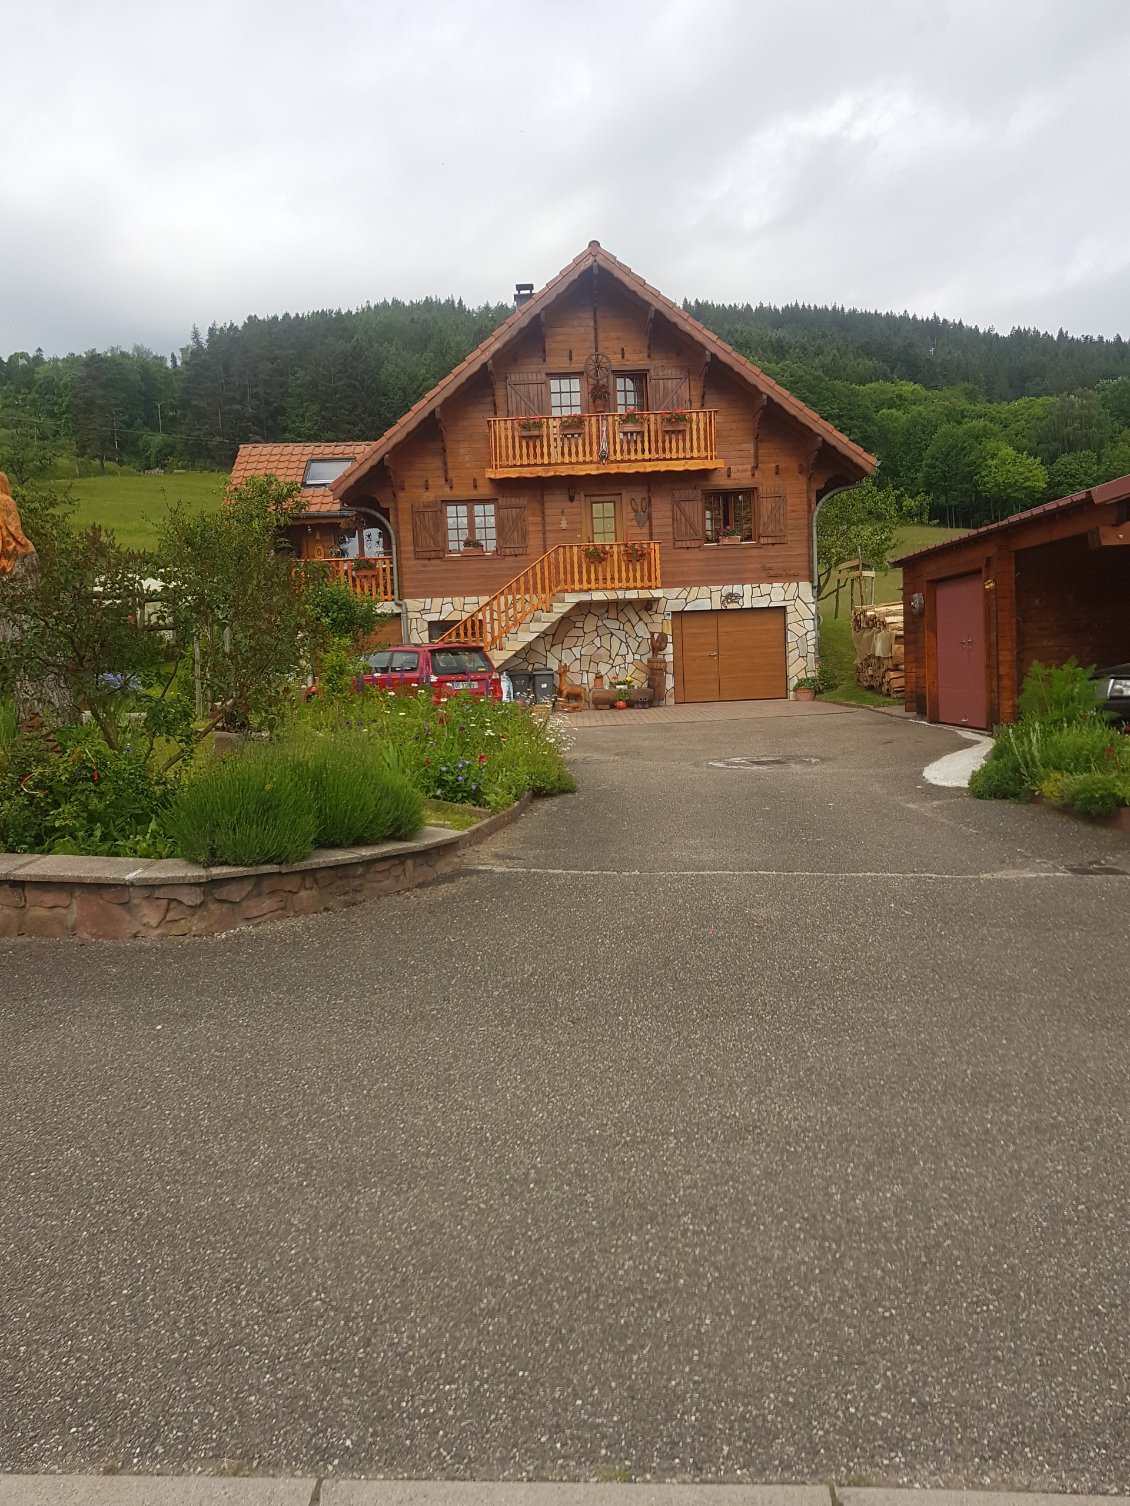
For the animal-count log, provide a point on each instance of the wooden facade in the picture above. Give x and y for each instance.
(598, 417)
(1049, 584)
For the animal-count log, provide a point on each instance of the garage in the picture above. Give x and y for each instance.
(1048, 584)
(730, 656)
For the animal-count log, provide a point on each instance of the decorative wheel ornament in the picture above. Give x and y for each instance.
(598, 368)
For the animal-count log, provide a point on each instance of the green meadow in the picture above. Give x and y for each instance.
(132, 506)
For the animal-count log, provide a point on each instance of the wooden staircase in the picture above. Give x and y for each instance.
(531, 603)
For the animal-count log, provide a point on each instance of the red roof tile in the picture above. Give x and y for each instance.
(288, 462)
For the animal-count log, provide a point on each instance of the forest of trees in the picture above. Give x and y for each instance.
(980, 424)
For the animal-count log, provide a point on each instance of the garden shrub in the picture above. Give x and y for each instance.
(1057, 693)
(1097, 794)
(88, 798)
(356, 797)
(8, 724)
(466, 751)
(1000, 777)
(253, 807)
(1042, 748)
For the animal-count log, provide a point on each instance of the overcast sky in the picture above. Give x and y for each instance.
(162, 165)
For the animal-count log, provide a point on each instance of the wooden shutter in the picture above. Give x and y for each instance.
(689, 518)
(772, 518)
(512, 526)
(669, 389)
(429, 531)
(526, 394)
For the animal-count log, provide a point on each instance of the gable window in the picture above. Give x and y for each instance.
(730, 514)
(470, 520)
(325, 470)
(631, 393)
(564, 395)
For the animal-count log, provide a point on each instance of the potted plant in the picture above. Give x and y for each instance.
(597, 554)
(730, 535)
(635, 552)
(623, 688)
(675, 420)
(572, 423)
(631, 422)
(598, 396)
(806, 687)
(530, 428)
(471, 545)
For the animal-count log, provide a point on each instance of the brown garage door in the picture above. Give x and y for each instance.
(730, 656)
(960, 651)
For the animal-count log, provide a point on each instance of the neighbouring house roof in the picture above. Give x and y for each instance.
(289, 461)
(1117, 490)
(594, 255)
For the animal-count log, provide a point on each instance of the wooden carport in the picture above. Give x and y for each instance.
(1047, 584)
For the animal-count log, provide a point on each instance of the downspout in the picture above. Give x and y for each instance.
(849, 486)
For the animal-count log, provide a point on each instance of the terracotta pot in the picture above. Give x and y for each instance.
(804, 693)
(621, 705)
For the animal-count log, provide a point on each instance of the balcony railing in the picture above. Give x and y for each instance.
(595, 441)
(368, 577)
(628, 569)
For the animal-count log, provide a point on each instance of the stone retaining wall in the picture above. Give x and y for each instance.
(124, 899)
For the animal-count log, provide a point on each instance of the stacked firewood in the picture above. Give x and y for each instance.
(876, 632)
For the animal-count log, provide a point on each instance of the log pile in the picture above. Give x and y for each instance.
(876, 633)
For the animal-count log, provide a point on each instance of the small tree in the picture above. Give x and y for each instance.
(235, 603)
(860, 524)
(74, 621)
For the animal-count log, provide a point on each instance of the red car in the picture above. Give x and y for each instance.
(443, 668)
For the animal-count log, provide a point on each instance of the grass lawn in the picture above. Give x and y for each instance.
(132, 505)
(448, 813)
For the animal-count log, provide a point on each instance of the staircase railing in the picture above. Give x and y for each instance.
(566, 568)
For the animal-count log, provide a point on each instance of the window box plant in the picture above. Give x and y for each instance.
(473, 546)
(631, 421)
(675, 420)
(635, 552)
(531, 428)
(730, 536)
(597, 554)
(572, 423)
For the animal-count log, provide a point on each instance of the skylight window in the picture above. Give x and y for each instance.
(326, 471)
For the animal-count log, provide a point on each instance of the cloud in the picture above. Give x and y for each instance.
(205, 162)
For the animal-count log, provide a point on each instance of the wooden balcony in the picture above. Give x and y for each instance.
(371, 578)
(615, 570)
(602, 443)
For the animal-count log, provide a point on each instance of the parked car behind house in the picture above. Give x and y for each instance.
(1112, 688)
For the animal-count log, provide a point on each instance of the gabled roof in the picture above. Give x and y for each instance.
(594, 255)
(289, 461)
(1117, 490)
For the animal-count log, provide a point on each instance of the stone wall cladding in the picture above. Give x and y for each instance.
(612, 638)
(125, 899)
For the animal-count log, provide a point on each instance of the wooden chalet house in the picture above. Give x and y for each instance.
(602, 468)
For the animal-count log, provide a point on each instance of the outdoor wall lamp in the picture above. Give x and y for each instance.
(572, 494)
(917, 602)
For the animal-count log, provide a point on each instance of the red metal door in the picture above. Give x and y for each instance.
(960, 651)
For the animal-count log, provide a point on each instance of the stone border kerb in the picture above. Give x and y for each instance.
(120, 899)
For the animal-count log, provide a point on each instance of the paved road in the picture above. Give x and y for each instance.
(764, 1121)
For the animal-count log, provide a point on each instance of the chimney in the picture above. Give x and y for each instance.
(523, 292)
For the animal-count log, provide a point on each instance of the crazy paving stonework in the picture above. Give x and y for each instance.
(612, 638)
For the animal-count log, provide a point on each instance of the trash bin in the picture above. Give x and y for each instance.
(523, 683)
(544, 684)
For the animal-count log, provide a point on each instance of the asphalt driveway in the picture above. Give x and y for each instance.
(760, 1112)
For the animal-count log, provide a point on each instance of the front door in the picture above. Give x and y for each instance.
(959, 638)
(603, 521)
